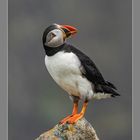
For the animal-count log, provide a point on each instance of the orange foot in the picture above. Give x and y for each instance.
(65, 119)
(75, 110)
(75, 118)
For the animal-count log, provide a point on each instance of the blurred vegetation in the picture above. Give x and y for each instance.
(36, 102)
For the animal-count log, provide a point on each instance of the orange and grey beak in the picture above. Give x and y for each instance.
(69, 30)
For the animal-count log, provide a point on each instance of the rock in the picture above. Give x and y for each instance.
(82, 130)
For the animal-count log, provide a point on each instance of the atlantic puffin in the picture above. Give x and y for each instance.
(73, 71)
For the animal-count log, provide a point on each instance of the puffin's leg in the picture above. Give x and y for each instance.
(76, 117)
(75, 110)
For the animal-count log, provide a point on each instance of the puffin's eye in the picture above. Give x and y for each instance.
(51, 36)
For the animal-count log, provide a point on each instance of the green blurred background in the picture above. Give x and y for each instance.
(36, 102)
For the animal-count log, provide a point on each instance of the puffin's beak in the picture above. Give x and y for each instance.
(69, 30)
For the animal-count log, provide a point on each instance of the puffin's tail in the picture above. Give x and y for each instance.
(107, 88)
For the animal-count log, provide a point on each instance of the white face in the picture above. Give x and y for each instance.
(55, 38)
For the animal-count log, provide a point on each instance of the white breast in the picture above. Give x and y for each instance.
(65, 70)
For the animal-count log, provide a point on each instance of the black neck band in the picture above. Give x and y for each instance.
(51, 51)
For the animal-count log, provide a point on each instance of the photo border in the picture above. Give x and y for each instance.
(4, 68)
(135, 69)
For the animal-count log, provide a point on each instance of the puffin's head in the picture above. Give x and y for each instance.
(55, 35)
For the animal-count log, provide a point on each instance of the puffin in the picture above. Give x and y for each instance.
(73, 70)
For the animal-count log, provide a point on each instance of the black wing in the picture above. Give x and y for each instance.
(91, 72)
